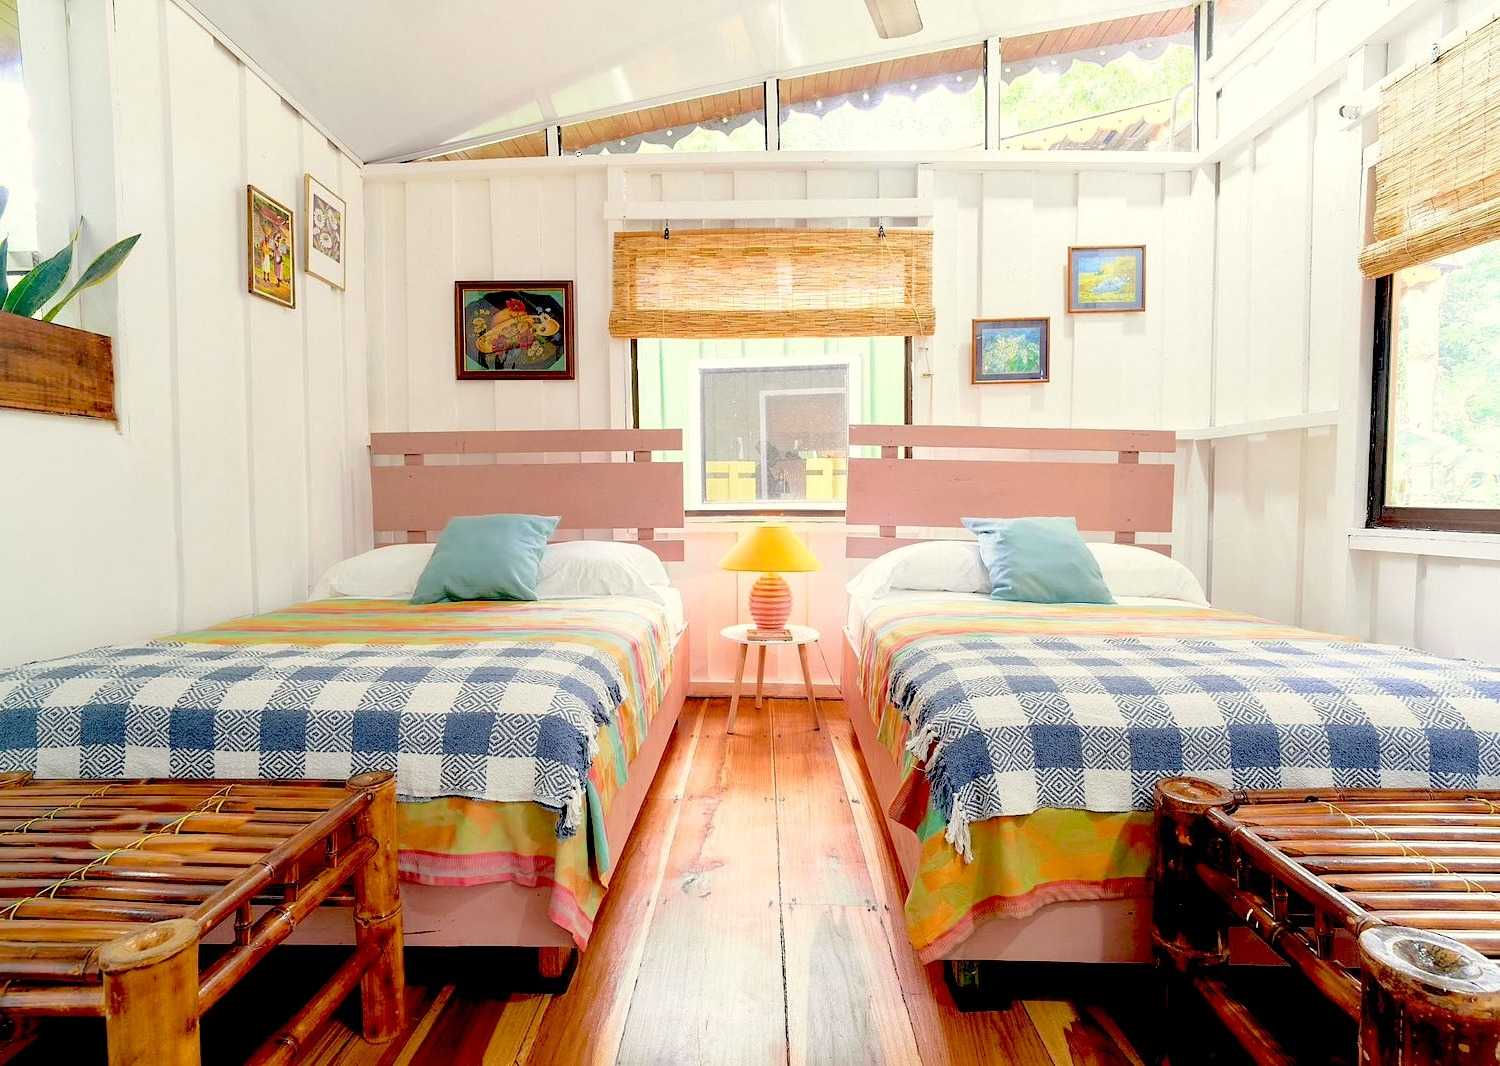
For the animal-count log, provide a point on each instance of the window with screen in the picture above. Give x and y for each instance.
(766, 422)
(731, 121)
(927, 101)
(17, 158)
(1436, 455)
(1124, 85)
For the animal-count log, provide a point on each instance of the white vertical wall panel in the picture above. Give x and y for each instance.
(359, 530)
(277, 373)
(213, 453)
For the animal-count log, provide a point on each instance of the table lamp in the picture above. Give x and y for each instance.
(770, 550)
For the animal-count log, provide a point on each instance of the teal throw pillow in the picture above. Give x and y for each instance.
(1039, 560)
(486, 557)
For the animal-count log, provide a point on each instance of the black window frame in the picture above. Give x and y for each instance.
(772, 512)
(1378, 514)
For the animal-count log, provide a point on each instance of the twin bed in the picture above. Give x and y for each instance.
(1016, 746)
(523, 735)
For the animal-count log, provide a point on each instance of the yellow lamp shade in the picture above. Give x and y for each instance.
(770, 549)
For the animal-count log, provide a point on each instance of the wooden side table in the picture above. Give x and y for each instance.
(801, 638)
(113, 884)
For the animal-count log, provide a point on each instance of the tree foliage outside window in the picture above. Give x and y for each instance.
(1443, 431)
(1135, 100)
(17, 151)
(942, 112)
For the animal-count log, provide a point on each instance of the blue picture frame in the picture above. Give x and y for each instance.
(1011, 350)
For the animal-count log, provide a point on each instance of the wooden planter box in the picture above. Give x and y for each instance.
(52, 368)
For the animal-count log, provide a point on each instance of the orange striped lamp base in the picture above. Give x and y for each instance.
(770, 605)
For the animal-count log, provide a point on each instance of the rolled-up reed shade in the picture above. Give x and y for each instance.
(1437, 184)
(773, 283)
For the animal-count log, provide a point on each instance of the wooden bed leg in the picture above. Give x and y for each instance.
(377, 914)
(151, 995)
(1427, 1000)
(554, 968)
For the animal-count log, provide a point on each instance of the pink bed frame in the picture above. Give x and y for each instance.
(594, 495)
(1119, 495)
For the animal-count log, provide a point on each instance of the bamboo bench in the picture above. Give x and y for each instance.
(1386, 900)
(107, 888)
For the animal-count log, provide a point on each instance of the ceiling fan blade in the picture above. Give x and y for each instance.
(895, 18)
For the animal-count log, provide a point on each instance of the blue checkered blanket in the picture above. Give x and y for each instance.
(1007, 724)
(515, 722)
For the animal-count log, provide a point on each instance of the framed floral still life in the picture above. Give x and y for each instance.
(514, 330)
(271, 236)
(327, 216)
(1106, 278)
(1011, 350)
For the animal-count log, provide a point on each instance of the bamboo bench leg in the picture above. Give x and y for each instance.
(377, 915)
(151, 995)
(1428, 1000)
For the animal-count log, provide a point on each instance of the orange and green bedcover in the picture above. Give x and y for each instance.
(459, 841)
(1023, 862)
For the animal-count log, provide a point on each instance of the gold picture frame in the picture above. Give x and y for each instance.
(270, 248)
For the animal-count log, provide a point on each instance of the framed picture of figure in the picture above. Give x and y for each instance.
(271, 239)
(518, 330)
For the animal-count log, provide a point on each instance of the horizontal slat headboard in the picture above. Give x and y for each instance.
(419, 496)
(1122, 496)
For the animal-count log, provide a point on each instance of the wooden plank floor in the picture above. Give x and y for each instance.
(755, 918)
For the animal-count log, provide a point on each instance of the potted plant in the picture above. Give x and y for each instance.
(45, 366)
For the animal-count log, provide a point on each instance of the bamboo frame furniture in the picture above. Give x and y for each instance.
(108, 887)
(1385, 900)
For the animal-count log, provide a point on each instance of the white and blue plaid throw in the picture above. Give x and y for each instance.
(492, 722)
(1008, 724)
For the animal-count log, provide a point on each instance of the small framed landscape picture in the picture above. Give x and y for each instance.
(271, 236)
(1011, 350)
(326, 213)
(514, 330)
(1106, 278)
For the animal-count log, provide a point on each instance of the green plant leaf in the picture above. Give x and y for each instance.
(40, 285)
(100, 270)
(4, 277)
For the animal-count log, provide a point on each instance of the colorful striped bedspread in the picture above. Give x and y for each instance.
(454, 840)
(1023, 862)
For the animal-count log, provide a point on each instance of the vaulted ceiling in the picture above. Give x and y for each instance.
(391, 78)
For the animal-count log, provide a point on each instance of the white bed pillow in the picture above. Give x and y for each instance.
(932, 566)
(1130, 570)
(390, 572)
(599, 568)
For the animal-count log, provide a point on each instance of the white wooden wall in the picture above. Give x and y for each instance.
(1292, 336)
(238, 469)
(1000, 247)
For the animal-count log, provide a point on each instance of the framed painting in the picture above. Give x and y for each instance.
(1106, 278)
(514, 330)
(1011, 350)
(326, 213)
(271, 237)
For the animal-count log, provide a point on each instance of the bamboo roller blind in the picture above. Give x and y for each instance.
(773, 283)
(1437, 184)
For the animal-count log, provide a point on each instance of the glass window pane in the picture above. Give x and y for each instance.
(732, 121)
(766, 422)
(1125, 85)
(17, 162)
(927, 101)
(1443, 435)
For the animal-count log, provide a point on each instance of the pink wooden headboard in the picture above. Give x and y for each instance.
(1123, 496)
(418, 496)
